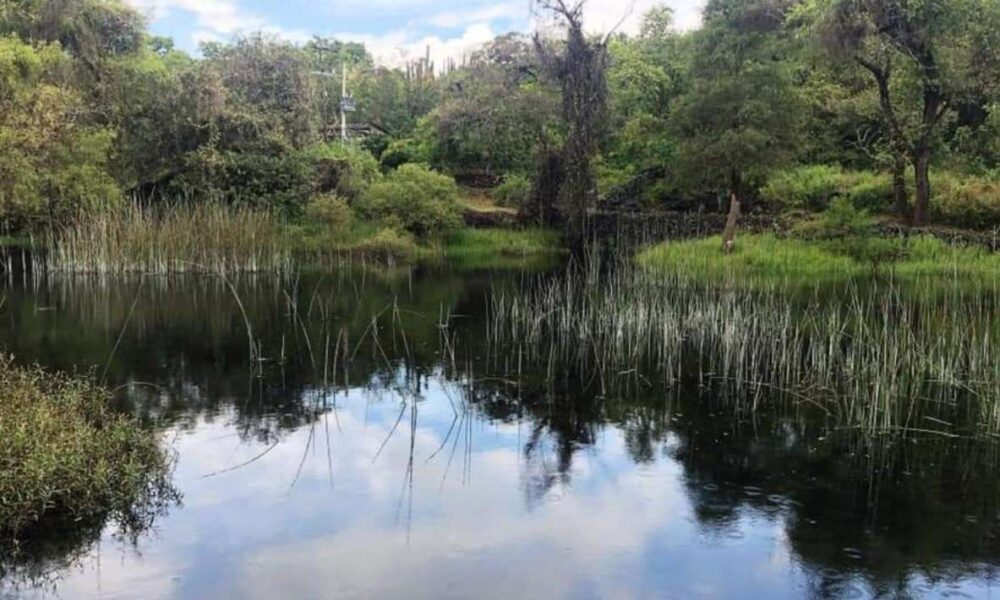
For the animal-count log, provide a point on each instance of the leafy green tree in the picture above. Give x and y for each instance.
(740, 120)
(494, 112)
(52, 167)
(926, 57)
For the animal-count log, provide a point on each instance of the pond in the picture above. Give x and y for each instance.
(359, 433)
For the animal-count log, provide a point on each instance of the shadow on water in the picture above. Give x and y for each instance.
(381, 401)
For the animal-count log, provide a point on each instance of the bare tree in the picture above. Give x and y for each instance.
(578, 65)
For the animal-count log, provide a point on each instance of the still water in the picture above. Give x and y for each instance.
(352, 434)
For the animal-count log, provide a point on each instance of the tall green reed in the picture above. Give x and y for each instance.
(883, 356)
(174, 239)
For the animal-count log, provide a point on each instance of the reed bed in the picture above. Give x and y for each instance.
(879, 359)
(175, 239)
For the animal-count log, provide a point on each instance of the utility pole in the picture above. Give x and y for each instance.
(343, 100)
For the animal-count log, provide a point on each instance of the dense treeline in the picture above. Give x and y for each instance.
(893, 105)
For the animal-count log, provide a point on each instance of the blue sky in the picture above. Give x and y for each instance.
(394, 30)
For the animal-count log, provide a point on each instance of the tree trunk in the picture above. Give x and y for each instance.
(729, 235)
(922, 167)
(901, 201)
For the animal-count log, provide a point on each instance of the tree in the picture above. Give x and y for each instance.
(740, 120)
(493, 113)
(579, 66)
(52, 167)
(926, 57)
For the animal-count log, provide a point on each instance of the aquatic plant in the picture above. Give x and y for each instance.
(66, 458)
(176, 239)
(879, 359)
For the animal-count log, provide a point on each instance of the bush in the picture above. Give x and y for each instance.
(261, 176)
(416, 199)
(66, 457)
(514, 192)
(344, 169)
(965, 201)
(388, 244)
(842, 219)
(814, 187)
(329, 210)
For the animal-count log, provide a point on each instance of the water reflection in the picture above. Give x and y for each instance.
(405, 458)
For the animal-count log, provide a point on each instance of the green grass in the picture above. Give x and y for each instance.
(504, 242)
(467, 247)
(754, 255)
(66, 457)
(769, 256)
(498, 247)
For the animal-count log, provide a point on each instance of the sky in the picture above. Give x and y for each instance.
(394, 30)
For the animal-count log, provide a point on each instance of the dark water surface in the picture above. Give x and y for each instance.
(378, 447)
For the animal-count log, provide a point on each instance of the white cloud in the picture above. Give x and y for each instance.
(215, 20)
(486, 14)
(219, 16)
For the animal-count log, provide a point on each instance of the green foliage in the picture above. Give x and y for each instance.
(389, 244)
(814, 187)
(503, 243)
(771, 257)
(330, 211)
(416, 149)
(419, 200)
(346, 169)
(966, 201)
(514, 192)
(740, 120)
(52, 167)
(268, 177)
(66, 457)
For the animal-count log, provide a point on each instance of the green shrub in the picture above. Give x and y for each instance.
(814, 187)
(344, 169)
(415, 199)
(404, 151)
(389, 244)
(329, 210)
(965, 201)
(842, 219)
(809, 187)
(262, 176)
(66, 457)
(514, 192)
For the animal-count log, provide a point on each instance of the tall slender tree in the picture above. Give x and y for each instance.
(579, 66)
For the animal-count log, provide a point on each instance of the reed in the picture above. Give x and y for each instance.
(176, 239)
(880, 359)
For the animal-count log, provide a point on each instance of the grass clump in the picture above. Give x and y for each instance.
(814, 187)
(764, 254)
(500, 247)
(174, 239)
(504, 242)
(969, 202)
(768, 256)
(67, 458)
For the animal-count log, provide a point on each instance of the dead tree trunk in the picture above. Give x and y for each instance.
(732, 222)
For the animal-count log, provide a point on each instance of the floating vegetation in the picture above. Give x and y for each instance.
(880, 359)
